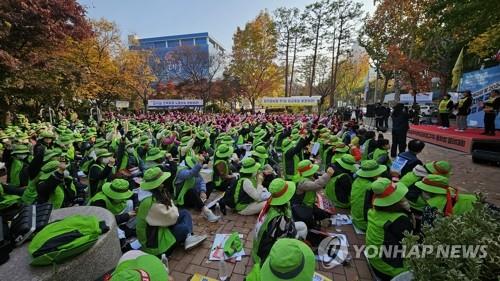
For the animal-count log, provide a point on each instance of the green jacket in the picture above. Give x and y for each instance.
(114, 207)
(180, 191)
(332, 190)
(359, 198)
(164, 237)
(271, 214)
(464, 203)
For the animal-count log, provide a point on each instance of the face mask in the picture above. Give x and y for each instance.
(130, 150)
(21, 156)
(405, 205)
(105, 161)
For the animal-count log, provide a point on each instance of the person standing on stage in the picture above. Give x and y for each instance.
(400, 126)
(490, 108)
(445, 107)
(463, 107)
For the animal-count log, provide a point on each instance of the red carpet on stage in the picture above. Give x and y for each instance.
(462, 141)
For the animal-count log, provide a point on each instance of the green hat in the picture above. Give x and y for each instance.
(224, 151)
(306, 168)
(249, 166)
(65, 139)
(100, 143)
(295, 131)
(21, 149)
(137, 268)
(185, 140)
(387, 193)
(200, 135)
(370, 169)
(90, 135)
(227, 140)
(190, 162)
(153, 177)
(22, 136)
(333, 139)
(287, 143)
(48, 169)
(347, 161)
(258, 132)
(77, 137)
(144, 140)
(342, 148)
(155, 153)
(51, 153)
(281, 191)
(434, 184)
(233, 244)
(442, 168)
(117, 189)
(102, 153)
(47, 134)
(289, 259)
(260, 152)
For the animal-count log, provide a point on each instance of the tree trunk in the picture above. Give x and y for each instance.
(384, 90)
(293, 65)
(396, 87)
(332, 74)
(316, 42)
(286, 62)
(334, 90)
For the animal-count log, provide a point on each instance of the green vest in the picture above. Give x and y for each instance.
(58, 196)
(410, 179)
(464, 203)
(296, 160)
(30, 194)
(309, 197)
(324, 155)
(241, 199)
(366, 145)
(375, 235)
(330, 192)
(443, 106)
(71, 152)
(217, 178)
(271, 214)
(378, 152)
(360, 187)
(124, 163)
(114, 207)
(185, 186)
(164, 238)
(15, 172)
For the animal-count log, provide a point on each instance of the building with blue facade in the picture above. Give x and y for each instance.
(162, 46)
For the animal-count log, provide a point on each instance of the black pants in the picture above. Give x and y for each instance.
(379, 122)
(386, 122)
(445, 119)
(192, 200)
(489, 122)
(398, 141)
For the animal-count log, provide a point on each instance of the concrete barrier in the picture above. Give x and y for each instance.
(90, 265)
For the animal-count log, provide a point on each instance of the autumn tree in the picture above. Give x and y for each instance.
(254, 52)
(137, 75)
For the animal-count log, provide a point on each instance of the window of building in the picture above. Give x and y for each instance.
(173, 43)
(160, 44)
(201, 41)
(187, 42)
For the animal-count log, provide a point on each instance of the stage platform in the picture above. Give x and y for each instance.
(466, 141)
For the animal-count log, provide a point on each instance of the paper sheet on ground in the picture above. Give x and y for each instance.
(341, 219)
(199, 277)
(213, 200)
(217, 250)
(319, 277)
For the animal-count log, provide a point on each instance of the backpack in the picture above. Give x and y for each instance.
(66, 238)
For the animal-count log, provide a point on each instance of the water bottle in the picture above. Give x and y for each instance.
(223, 270)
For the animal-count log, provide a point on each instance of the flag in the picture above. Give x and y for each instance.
(457, 70)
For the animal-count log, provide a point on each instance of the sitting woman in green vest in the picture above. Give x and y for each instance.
(128, 158)
(101, 170)
(308, 183)
(338, 188)
(387, 222)
(223, 176)
(115, 198)
(329, 150)
(368, 145)
(414, 195)
(55, 185)
(185, 148)
(249, 195)
(190, 190)
(361, 192)
(381, 153)
(18, 172)
(136, 265)
(447, 200)
(275, 220)
(261, 156)
(160, 225)
(293, 154)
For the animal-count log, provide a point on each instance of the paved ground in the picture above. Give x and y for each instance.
(185, 264)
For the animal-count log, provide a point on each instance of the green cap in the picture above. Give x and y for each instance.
(434, 184)
(191, 162)
(48, 169)
(51, 153)
(185, 140)
(153, 178)
(154, 154)
(281, 191)
(442, 168)
(260, 152)
(20, 149)
(387, 193)
(102, 153)
(306, 168)
(233, 244)
(139, 268)
(117, 189)
(342, 148)
(47, 134)
(286, 144)
(249, 166)
(370, 169)
(347, 161)
(289, 259)
(100, 143)
(224, 151)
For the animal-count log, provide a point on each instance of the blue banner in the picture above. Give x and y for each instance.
(480, 83)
